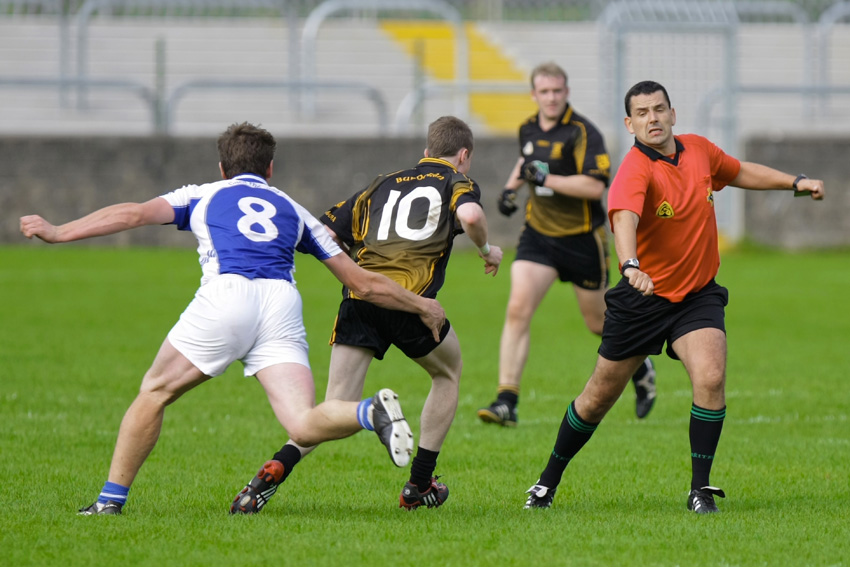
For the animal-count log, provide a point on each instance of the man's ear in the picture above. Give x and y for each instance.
(425, 153)
(221, 169)
(628, 122)
(270, 170)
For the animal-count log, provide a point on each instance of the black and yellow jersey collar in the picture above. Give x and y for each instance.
(437, 161)
(568, 114)
(564, 119)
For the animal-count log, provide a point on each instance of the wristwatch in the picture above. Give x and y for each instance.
(799, 178)
(630, 263)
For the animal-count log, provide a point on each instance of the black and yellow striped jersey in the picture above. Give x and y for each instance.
(574, 146)
(404, 223)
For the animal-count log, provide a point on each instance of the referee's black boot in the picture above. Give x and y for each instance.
(701, 500)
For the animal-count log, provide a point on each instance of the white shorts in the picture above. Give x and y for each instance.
(233, 318)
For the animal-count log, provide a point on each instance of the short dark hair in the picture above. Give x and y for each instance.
(245, 148)
(644, 88)
(447, 135)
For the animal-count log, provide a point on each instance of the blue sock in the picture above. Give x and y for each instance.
(114, 492)
(363, 414)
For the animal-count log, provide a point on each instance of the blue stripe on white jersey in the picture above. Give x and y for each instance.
(246, 227)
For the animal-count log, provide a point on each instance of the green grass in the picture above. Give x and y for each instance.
(81, 325)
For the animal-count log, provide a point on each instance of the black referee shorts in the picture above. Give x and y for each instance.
(363, 324)
(636, 324)
(581, 259)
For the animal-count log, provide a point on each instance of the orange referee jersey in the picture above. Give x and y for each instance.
(674, 197)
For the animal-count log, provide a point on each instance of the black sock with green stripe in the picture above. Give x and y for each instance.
(572, 435)
(704, 433)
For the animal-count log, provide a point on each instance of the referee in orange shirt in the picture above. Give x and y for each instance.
(661, 208)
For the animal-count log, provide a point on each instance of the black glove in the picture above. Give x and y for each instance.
(507, 202)
(535, 172)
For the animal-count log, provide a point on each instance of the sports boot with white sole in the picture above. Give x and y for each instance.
(391, 427)
(644, 382)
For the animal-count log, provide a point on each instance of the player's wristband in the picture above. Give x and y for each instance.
(484, 249)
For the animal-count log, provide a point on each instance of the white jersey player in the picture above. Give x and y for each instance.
(247, 308)
(247, 234)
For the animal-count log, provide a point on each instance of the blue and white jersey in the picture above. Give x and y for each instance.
(246, 227)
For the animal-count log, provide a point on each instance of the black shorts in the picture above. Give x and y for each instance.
(581, 259)
(636, 324)
(363, 324)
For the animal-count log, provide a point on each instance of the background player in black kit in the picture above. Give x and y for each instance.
(564, 162)
(403, 226)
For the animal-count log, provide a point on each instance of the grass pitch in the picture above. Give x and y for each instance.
(81, 325)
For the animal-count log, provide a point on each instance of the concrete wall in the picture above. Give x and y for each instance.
(779, 219)
(64, 178)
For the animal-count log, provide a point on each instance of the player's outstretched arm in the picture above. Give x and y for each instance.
(108, 220)
(757, 176)
(383, 292)
(474, 223)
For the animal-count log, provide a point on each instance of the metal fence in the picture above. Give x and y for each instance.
(705, 32)
(478, 10)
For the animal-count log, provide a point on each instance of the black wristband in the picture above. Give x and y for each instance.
(799, 178)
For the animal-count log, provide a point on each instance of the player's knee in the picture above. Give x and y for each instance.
(447, 382)
(159, 389)
(300, 433)
(518, 313)
(591, 408)
(598, 404)
(301, 437)
(594, 402)
(712, 384)
(157, 394)
(456, 371)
